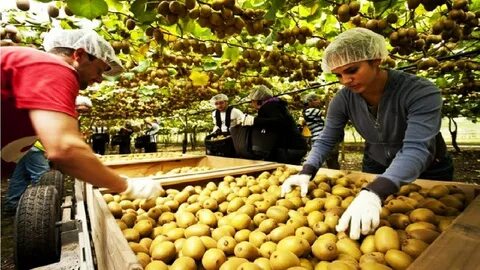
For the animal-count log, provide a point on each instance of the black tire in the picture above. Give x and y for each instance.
(37, 238)
(55, 178)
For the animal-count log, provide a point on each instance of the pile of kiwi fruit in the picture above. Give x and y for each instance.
(186, 169)
(243, 223)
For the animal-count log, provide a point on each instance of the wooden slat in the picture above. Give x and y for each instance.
(111, 248)
(149, 160)
(151, 167)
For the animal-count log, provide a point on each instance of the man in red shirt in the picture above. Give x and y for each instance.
(38, 102)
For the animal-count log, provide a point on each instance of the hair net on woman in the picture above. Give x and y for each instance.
(83, 100)
(354, 45)
(219, 97)
(88, 40)
(260, 92)
(310, 97)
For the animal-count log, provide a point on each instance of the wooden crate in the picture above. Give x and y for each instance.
(456, 248)
(111, 248)
(148, 167)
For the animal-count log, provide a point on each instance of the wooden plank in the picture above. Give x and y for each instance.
(147, 168)
(111, 248)
(149, 160)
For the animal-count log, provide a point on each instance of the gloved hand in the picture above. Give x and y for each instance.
(365, 210)
(248, 120)
(142, 188)
(300, 180)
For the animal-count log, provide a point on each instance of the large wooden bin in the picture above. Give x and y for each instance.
(456, 248)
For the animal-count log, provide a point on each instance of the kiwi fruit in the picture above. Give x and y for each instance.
(143, 258)
(295, 244)
(354, 7)
(413, 4)
(23, 5)
(233, 263)
(344, 13)
(283, 259)
(156, 265)
(213, 259)
(392, 18)
(325, 249)
(398, 259)
(183, 263)
(130, 24)
(193, 247)
(349, 247)
(53, 11)
(413, 247)
(386, 238)
(246, 250)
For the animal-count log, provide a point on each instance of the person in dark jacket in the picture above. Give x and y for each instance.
(288, 145)
(125, 134)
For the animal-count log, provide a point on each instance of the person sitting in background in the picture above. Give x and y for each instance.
(100, 138)
(152, 130)
(38, 102)
(220, 142)
(224, 116)
(313, 117)
(34, 164)
(397, 113)
(275, 123)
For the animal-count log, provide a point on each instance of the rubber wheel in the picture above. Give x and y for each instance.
(37, 238)
(55, 178)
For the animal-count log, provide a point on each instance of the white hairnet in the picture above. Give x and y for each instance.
(89, 40)
(260, 92)
(310, 97)
(219, 97)
(354, 45)
(83, 100)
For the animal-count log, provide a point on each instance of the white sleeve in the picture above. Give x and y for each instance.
(236, 115)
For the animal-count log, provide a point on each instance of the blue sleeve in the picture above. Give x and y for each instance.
(423, 124)
(332, 133)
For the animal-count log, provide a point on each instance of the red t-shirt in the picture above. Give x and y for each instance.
(31, 79)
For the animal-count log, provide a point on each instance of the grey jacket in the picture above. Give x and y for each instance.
(402, 136)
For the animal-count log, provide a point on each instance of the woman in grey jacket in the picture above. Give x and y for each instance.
(398, 114)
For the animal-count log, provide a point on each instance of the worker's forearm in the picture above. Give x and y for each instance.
(77, 160)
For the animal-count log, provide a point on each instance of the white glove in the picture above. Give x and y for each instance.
(248, 120)
(365, 210)
(300, 180)
(142, 188)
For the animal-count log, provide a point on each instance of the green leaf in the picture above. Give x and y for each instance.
(211, 65)
(229, 84)
(382, 5)
(44, 1)
(116, 4)
(142, 11)
(142, 66)
(231, 53)
(89, 9)
(275, 5)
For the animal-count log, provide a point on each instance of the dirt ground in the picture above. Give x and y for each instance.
(467, 170)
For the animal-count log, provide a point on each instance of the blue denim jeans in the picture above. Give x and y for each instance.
(29, 169)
